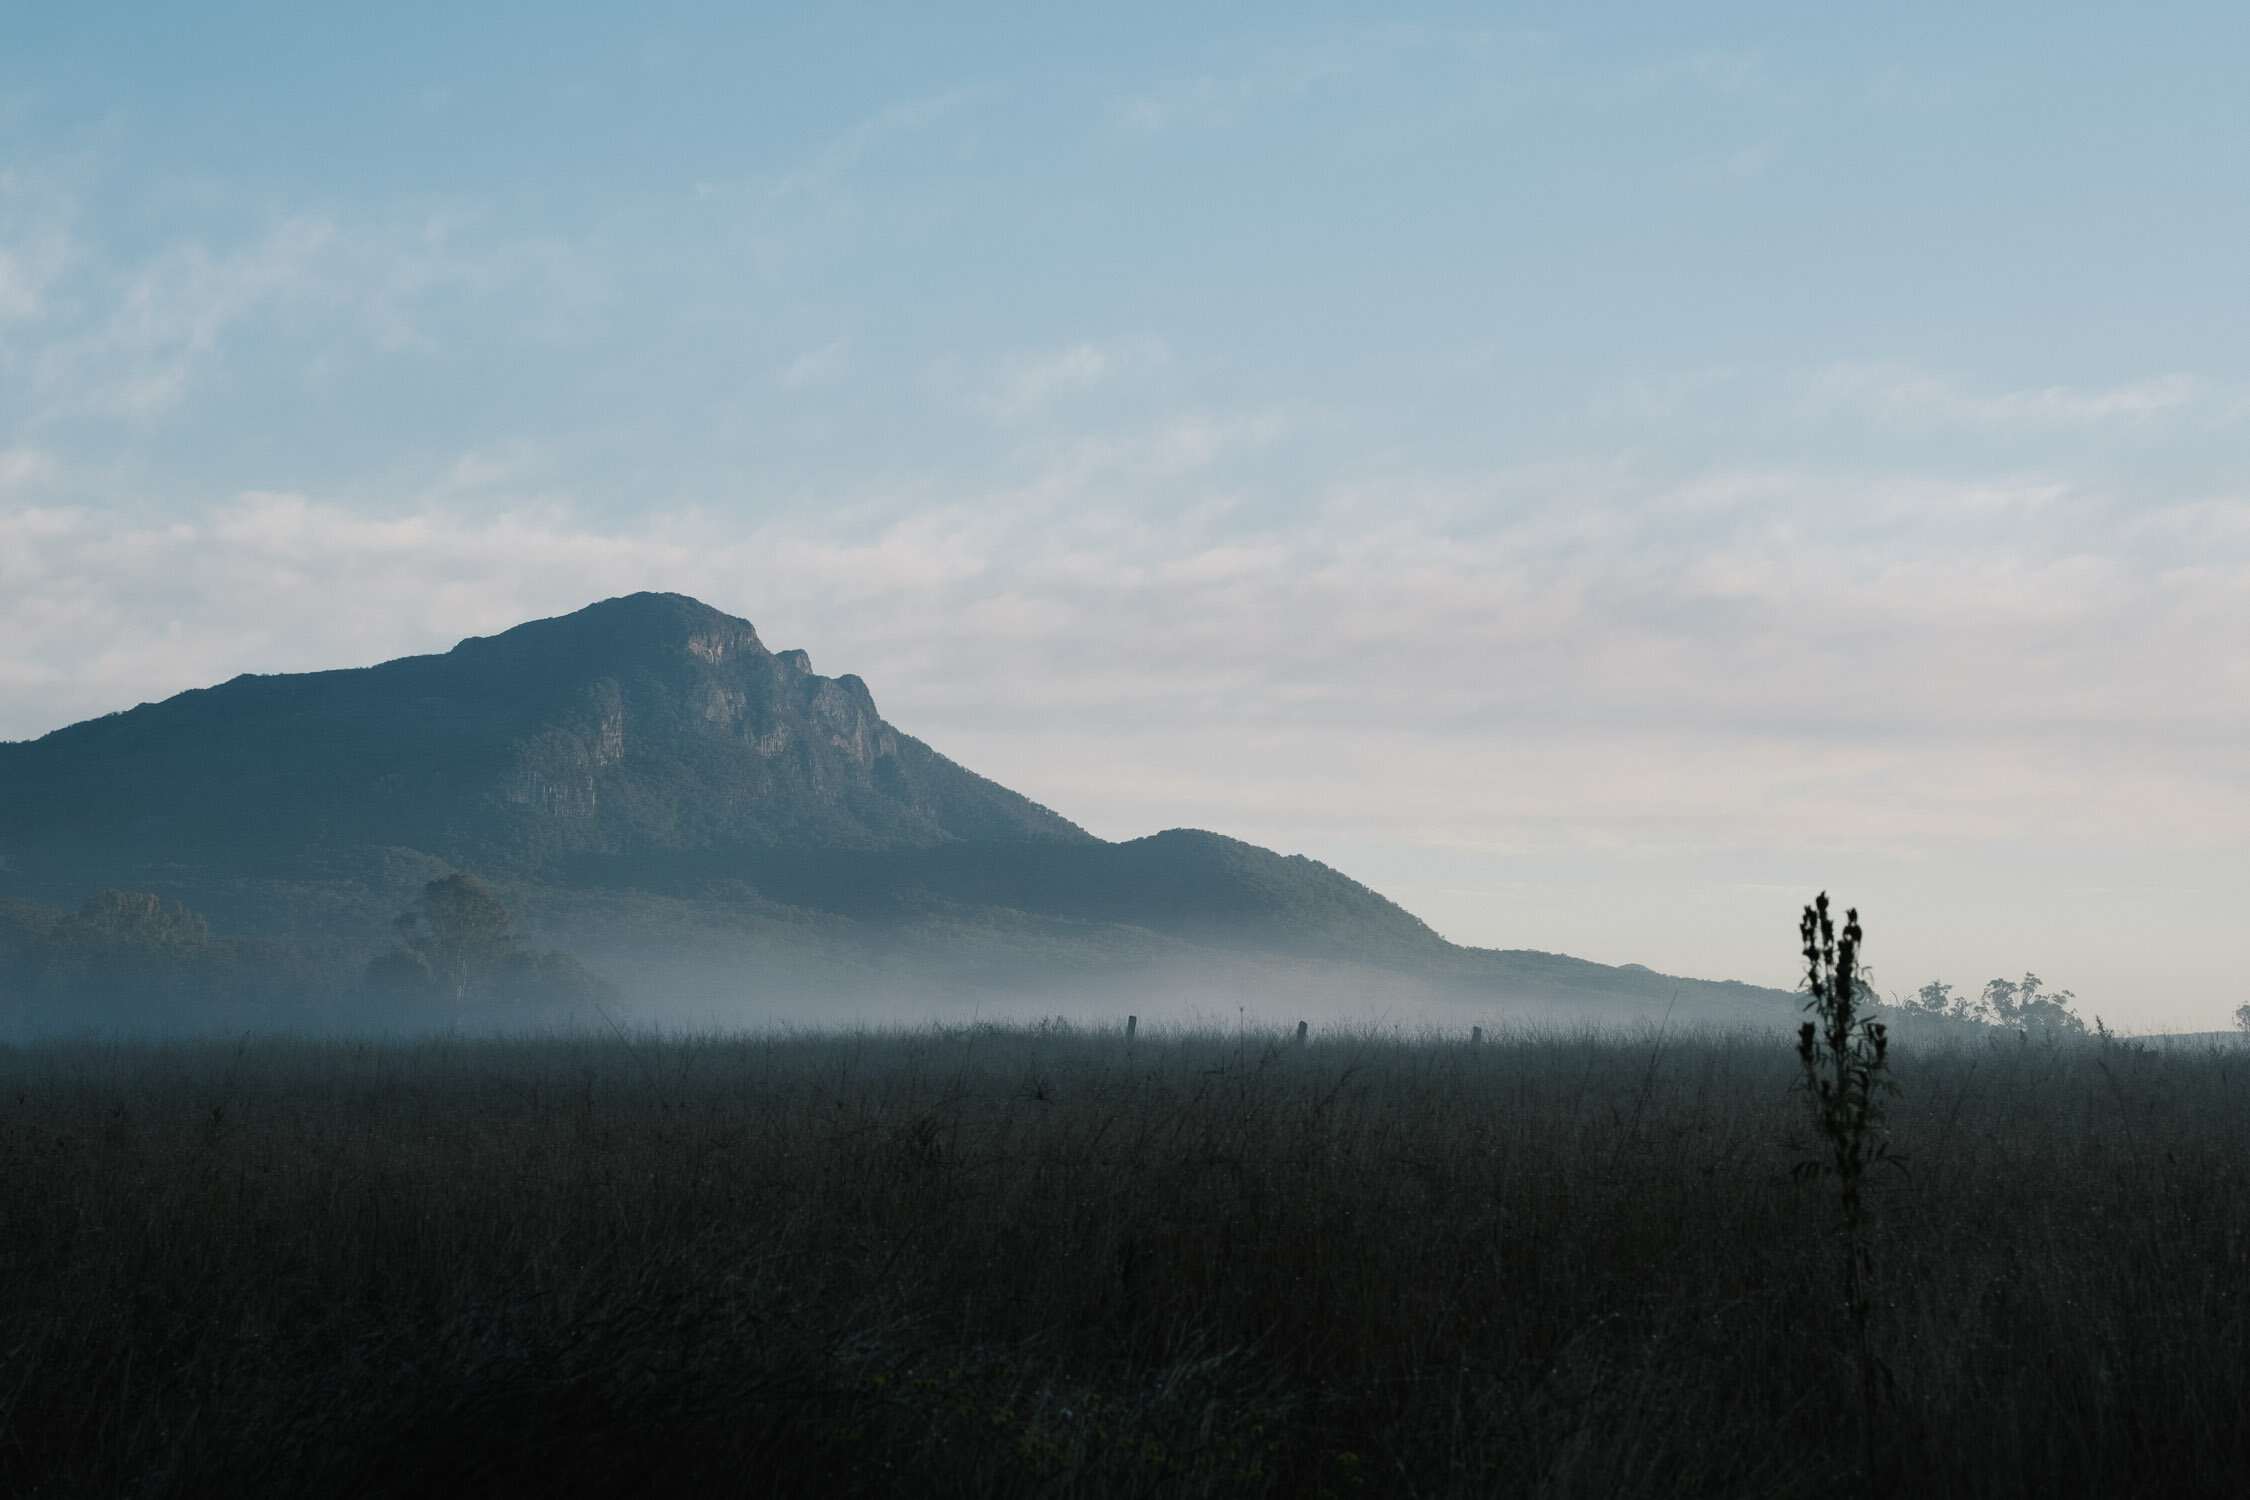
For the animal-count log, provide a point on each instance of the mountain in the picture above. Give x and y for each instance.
(647, 775)
(650, 722)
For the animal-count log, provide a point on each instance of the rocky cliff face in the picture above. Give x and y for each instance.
(641, 723)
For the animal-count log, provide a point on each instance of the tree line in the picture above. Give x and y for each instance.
(135, 960)
(2018, 1005)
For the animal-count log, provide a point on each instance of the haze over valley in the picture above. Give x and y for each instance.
(736, 838)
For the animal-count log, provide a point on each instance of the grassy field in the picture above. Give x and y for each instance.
(992, 1262)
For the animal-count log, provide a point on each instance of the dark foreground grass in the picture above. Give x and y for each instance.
(1002, 1262)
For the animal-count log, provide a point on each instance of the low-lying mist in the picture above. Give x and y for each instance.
(460, 960)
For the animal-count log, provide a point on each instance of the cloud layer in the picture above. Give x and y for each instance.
(1753, 659)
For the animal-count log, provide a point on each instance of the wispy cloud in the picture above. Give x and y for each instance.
(1081, 617)
(36, 245)
(1027, 383)
(1899, 400)
(27, 269)
(1216, 100)
(1922, 398)
(1735, 167)
(86, 336)
(818, 369)
(839, 156)
(165, 326)
(1541, 65)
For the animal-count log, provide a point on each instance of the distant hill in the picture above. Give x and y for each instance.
(647, 772)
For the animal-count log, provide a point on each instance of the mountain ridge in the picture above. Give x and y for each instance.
(650, 759)
(506, 745)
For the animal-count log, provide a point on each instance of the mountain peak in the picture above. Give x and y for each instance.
(637, 726)
(632, 624)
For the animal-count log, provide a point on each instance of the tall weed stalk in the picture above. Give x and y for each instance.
(1845, 1057)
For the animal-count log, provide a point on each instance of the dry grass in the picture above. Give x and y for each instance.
(1006, 1262)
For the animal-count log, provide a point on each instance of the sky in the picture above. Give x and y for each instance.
(1599, 475)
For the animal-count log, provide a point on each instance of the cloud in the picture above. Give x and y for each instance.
(836, 159)
(1924, 399)
(88, 333)
(36, 245)
(165, 325)
(26, 271)
(818, 369)
(1211, 101)
(1921, 418)
(1941, 677)
(1025, 384)
(1516, 66)
(1736, 167)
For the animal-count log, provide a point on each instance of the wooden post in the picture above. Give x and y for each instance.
(1301, 1029)
(1130, 1023)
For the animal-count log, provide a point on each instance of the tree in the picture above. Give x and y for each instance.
(2022, 1006)
(2017, 1003)
(458, 933)
(125, 944)
(458, 941)
(134, 957)
(1933, 999)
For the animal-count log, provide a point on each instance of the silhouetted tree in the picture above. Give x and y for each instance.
(2016, 1003)
(2021, 1005)
(458, 940)
(1935, 999)
(458, 934)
